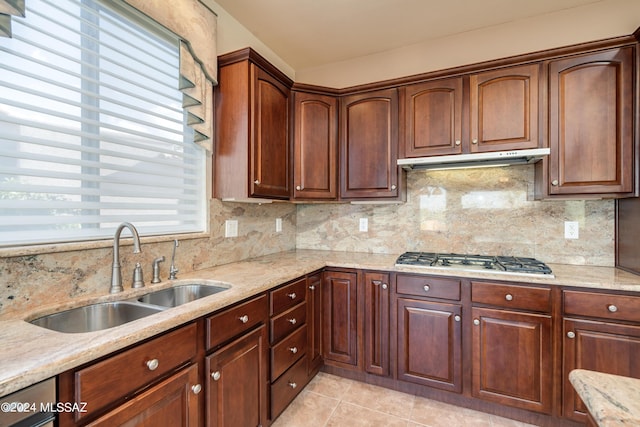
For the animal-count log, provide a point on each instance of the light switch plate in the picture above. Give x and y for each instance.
(571, 230)
(231, 228)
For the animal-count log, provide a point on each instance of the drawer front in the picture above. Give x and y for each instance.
(227, 324)
(105, 382)
(285, 353)
(288, 386)
(288, 296)
(427, 286)
(283, 324)
(511, 296)
(606, 306)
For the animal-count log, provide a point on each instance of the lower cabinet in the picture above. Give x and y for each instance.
(376, 323)
(340, 319)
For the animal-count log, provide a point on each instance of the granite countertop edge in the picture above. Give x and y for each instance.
(30, 354)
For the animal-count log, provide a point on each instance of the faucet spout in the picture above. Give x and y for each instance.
(116, 274)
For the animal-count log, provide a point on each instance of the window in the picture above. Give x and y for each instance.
(92, 129)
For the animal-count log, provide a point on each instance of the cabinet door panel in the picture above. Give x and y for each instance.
(430, 344)
(591, 123)
(597, 346)
(512, 358)
(340, 318)
(376, 323)
(314, 322)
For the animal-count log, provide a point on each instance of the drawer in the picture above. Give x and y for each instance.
(511, 296)
(229, 323)
(118, 376)
(606, 306)
(288, 386)
(427, 286)
(287, 296)
(283, 324)
(287, 351)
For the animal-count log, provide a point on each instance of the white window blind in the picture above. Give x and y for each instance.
(92, 130)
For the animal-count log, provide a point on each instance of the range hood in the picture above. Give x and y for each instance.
(475, 160)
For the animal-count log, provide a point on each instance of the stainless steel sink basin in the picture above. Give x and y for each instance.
(182, 294)
(95, 317)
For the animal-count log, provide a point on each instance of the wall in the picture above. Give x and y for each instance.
(31, 281)
(486, 211)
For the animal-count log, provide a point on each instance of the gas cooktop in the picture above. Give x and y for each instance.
(495, 264)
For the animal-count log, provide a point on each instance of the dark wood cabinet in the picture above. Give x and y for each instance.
(237, 382)
(340, 319)
(252, 155)
(376, 323)
(314, 323)
(430, 343)
(591, 125)
(369, 146)
(315, 146)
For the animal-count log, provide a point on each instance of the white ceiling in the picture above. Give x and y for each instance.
(312, 33)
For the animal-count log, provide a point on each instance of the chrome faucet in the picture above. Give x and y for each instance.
(116, 275)
(173, 269)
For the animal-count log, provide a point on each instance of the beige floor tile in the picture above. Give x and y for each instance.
(307, 410)
(348, 415)
(497, 421)
(432, 413)
(380, 399)
(330, 385)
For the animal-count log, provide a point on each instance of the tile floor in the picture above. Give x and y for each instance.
(331, 401)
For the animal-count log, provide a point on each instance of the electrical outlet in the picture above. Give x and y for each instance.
(571, 230)
(278, 225)
(364, 224)
(231, 228)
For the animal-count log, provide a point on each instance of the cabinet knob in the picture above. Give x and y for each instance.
(612, 308)
(256, 182)
(457, 318)
(571, 334)
(292, 295)
(152, 364)
(312, 287)
(385, 286)
(293, 350)
(293, 385)
(196, 389)
(457, 142)
(508, 297)
(244, 319)
(426, 288)
(476, 322)
(393, 186)
(554, 182)
(293, 321)
(215, 375)
(475, 141)
(298, 188)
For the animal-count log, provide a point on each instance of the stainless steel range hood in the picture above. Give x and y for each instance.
(475, 160)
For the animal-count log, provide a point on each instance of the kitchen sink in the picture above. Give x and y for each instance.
(182, 294)
(95, 317)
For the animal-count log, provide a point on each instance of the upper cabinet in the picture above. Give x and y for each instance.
(369, 145)
(252, 156)
(315, 146)
(591, 126)
(502, 107)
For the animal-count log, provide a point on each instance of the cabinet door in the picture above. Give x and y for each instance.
(237, 382)
(512, 358)
(173, 402)
(597, 346)
(591, 123)
(340, 319)
(433, 118)
(430, 343)
(314, 323)
(376, 323)
(315, 146)
(369, 145)
(504, 110)
(269, 155)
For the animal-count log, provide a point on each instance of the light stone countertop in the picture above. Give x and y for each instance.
(612, 400)
(29, 353)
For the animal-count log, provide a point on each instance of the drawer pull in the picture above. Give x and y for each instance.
(293, 350)
(292, 295)
(312, 287)
(215, 375)
(426, 288)
(293, 385)
(385, 286)
(196, 389)
(476, 322)
(457, 318)
(508, 297)
(571, 334)
(256, 182)
(293, 321)
(612, 308)
(244, 319)
(152, 364)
